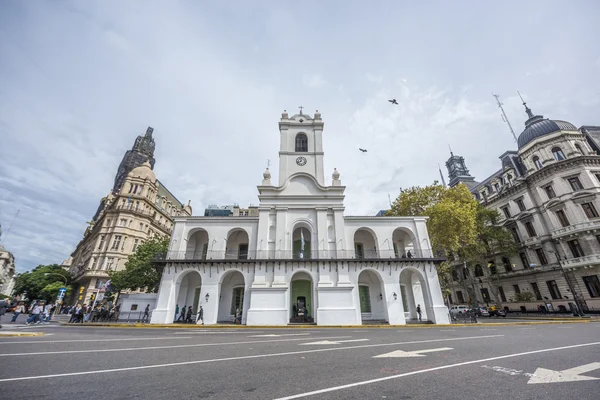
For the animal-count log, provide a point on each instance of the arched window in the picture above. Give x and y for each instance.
(558, 154)
(301, 143)
(454, 275)
(537, 162)
(465, 273)
(578, 147)
(478, 270)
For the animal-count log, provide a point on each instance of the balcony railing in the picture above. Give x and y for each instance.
(296, 255)
(581, 261)
(582, 226)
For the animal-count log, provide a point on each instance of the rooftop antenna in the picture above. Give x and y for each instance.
(452, 154)
(504, 117)
(9, 227)
(390, 200)
(442, 175)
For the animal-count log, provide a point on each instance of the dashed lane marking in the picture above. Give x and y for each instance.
(94, 340)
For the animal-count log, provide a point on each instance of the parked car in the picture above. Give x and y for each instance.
(482, 312)
(455, 310)
(496, 311)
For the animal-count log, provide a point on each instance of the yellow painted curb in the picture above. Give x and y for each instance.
(21, 334)
(409, 326)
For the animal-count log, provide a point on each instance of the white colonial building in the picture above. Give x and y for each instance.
(298, 258)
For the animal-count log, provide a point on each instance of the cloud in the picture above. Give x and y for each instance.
(314, 81)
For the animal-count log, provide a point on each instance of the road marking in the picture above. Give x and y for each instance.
(326, 342)
(422, 371)
(489, 329)
(204, 332)
(416, 353)
(447, 330)
(527, 329)
(283, 334)
(94, 340)
(543, 375)
(156, 347)
(24, 378)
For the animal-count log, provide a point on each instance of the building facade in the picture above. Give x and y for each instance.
(7, 271)
(296, 257)
(548, 195)
(137, 208)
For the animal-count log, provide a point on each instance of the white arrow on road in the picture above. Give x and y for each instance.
(323, 342)
(543, 375)
(283, 334)
(416, 353)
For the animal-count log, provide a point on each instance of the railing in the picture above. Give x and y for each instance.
(580, 261)
(576, 228)
(295, 255)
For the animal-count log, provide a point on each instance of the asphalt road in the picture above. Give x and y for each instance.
(482, 361)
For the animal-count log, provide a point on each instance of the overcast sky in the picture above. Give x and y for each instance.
(79, 80)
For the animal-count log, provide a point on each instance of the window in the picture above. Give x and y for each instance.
(135, 244)
(501, 292)
(597, 174)
(590, 210)
(524, 260)
(492, 268)
(108, 222)
(465, 273)
(537, 162)
(485, 294)
(520, 204)
(553, 288)
(365, 299)
(301, 143)
(550, 192)
(116, 243)
(109, 263)
(575, 248)
(517, 289)
(359, 251)
(454, 275)
(237, 300)
(515, 233)
(101, 245)
(99, 284)
(478, 270)
(575, 183)
(592, 284)
(507, 265)
(141, 226)
(578, 147)
(94, 262)
(541, 256)
(134, 307)
(497, 187)
(243, 251)
(506, 211)
(558, 154)
(530, 229)
(123, 222)
(459, 296)
(562, 218)
(536, 291)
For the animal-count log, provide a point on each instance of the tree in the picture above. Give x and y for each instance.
(140, 269)
(43, 282)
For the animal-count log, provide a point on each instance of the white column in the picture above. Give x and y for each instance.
(164, 313)
(435, 292)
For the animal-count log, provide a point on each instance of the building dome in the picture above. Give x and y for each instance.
(537, 126)
(144, 171)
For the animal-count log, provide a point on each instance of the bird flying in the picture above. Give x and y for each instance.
(363, 150)
(393, 101)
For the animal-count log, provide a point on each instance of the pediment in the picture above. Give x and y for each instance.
(583, 196)
(302, 185)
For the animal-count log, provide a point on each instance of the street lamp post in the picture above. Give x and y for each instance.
(63, 277)
(571, 289)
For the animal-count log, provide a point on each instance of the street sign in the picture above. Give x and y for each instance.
(61, 293)
(416, 353)
(543, 375)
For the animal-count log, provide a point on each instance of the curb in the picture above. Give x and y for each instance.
(11, 334)
(410, 326)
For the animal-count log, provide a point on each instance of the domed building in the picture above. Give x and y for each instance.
(138, 207)
(548, 195)
(296, 258)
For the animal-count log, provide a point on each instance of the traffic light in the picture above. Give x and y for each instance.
(92, 297)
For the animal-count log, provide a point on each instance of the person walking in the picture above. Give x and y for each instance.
(46, 314)
(146, 316)
(18, 311)
(188, 319)
(200, 315)
(3, 307)
(176, 312)
(419, 311)
(35, 314)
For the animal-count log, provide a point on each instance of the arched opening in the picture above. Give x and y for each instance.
(373, 305)
(537, 162)
(404, 244)
(197, 245)
(188, 295)
(478, 271)
(301, 143)
(301, 243)
(415, 292)
(558, 154)
(231, 297)
(365, 244)
(302, 300)
(237, 244)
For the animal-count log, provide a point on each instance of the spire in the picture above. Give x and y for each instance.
(527, 109)
(441, 175)
(451, 153)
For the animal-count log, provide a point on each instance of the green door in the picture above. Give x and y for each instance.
(365, 299)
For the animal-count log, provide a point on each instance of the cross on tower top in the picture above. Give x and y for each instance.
(268, 163)
(300, 109)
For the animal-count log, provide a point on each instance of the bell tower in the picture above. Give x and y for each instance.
(457, 170)
(301, 146)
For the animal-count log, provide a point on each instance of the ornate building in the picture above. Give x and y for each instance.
(138, 206)
(547, 193)
(7, 271)
(296, 257)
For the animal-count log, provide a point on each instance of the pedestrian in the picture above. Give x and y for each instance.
(146, 316)
(200, 315)
(117, 311)
(46, 314)
(176, 312)
(18, 311)
(238, 316)
(188, 319)
(3, 307)
(419, 311)
(35, 314)
(182, 315)
(409, 254)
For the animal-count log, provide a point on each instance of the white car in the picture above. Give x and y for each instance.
(455, 310)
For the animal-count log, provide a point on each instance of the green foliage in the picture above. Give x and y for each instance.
(42, 282)
(523, 297)
(140, 270)
(490, 240)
